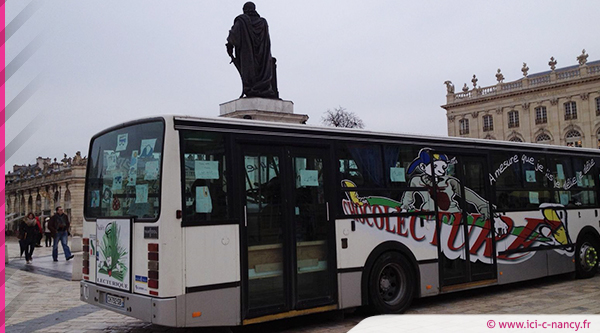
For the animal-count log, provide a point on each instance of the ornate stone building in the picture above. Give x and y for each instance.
(560, 106)
(42, 186)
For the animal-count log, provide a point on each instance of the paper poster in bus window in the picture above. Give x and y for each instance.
(132, 178)
(147, 147)
(110, 159)
(397, 175)
(113, 247)
(117, 181)
(309, 177)
(203, 200)
(106, 195)
(151, 170)
(122, 142)
(95, 200)
(206, 169)
(141, 193)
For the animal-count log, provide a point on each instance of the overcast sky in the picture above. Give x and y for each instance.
(107, 61)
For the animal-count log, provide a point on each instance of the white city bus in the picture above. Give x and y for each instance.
(218, 222)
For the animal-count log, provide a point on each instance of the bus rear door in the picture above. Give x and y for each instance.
(286, 230)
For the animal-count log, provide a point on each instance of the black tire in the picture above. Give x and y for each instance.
(586, 256)
(392, 283)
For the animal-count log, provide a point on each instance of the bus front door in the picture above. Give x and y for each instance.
(286, 233)
(466, 233)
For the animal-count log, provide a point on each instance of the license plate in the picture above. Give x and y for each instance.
(115, 301)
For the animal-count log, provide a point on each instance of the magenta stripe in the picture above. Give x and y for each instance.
(2, 167)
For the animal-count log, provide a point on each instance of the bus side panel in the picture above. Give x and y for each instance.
(559, 264)
(429, 279)
(578, 219)
(534, 229)
(372, 232)
(535, 267)
(218, 307)
(354, 247)
(349, 284)
(211, 255)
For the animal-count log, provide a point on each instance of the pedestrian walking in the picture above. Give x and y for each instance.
(28, 233)
(47, 232)
(59, 228)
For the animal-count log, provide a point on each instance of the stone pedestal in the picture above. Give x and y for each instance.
(262, 109)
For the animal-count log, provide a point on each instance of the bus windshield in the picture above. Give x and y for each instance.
(124, 172)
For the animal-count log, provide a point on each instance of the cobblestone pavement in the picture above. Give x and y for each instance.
(41, 298)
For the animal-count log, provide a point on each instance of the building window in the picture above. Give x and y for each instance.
(488, 123)
(570, 110)
(464, 126)
(573, 138)
(541, 116)
(543, 138)
(598, 106)
(598, 136)
(513, 119)
(515, 139)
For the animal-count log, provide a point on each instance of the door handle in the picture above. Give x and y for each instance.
(327, 207)
(245, 217)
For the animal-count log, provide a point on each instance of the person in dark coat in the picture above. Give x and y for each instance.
(40, 233)
(59, 228)
(28, 232)
(249, 38)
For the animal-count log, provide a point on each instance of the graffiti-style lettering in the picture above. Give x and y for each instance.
(455, 232)
(484, 239)
(588, 166)
(434, 190)
(503, 166)
(527, 159)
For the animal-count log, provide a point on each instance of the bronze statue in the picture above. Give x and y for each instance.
(249, 38)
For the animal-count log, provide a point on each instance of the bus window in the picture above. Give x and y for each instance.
(124, 172)
(574, 182)
(508, 200)
(533, 171)
(397, 160)
(521, 181)
(506, 170)
(205, 181)
(361, 164)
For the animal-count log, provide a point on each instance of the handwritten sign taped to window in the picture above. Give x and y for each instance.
(534, 197)
(397, 175)
(530, 176)
(203, 201)
(206, 169)
(309, 178)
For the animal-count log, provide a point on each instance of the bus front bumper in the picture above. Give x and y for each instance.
(161, 311)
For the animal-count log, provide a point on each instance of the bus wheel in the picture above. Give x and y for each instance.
(391, 283)
(587, 257)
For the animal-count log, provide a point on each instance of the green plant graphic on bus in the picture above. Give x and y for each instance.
(115, 255)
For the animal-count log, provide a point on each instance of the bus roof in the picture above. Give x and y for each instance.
(353, 132)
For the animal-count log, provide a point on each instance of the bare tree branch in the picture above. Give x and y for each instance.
(339, 117)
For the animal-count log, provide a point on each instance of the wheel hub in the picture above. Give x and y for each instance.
(385, 283)
(588, 257)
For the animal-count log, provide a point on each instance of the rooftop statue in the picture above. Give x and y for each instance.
(249, 47)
